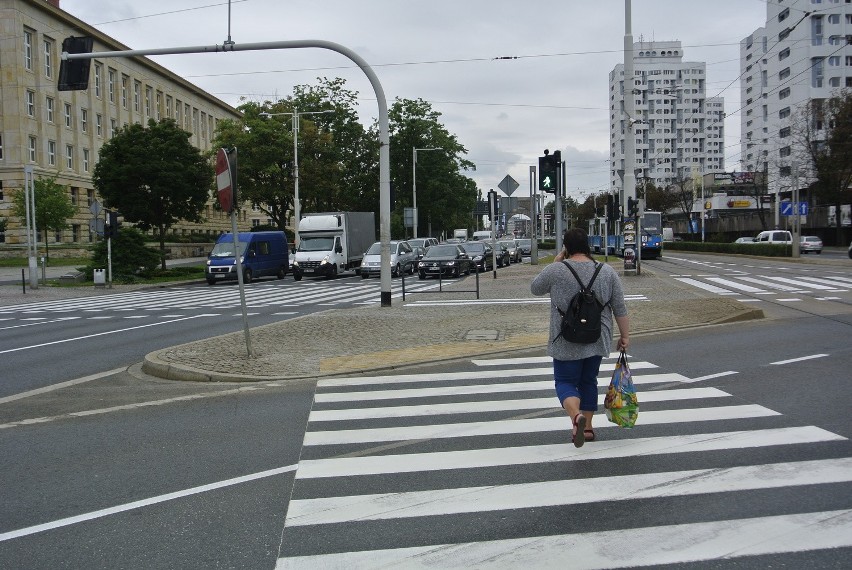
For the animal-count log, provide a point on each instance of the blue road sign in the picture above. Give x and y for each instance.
(787, 209)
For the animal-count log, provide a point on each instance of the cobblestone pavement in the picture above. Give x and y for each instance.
(360, 339)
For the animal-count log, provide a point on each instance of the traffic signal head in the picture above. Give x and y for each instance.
(112, 225)
(74, 74)
(547, 170)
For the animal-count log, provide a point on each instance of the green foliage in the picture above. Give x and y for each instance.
(52, 203)
(760, 249)
(154, 177)
(130, 256)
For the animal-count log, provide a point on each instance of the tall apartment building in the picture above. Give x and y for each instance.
(61, 133)
(802, 53)
(679, 131)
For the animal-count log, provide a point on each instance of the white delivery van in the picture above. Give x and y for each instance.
(774, 236)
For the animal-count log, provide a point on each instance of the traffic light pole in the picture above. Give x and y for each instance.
(384, 129)
(536, 207)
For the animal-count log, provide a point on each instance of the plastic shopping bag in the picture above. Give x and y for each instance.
(621, 404)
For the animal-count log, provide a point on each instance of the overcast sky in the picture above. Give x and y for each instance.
(505, 112)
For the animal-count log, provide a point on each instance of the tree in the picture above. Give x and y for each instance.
(445, 197)
(52, 204)
(824, 152)
(338, 158)
(130, 255)
(154, 177)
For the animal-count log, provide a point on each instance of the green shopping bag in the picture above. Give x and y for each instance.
(621, 404)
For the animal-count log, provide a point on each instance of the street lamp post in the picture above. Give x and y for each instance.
(414, 183)
(295, 118)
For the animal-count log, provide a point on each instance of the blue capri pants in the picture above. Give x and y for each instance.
(578, 378)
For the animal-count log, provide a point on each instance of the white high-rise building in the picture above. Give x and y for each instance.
(679, 131)
(802, 53)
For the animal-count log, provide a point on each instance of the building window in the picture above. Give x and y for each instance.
(784, 133)
(113, 127)
(784, 14)
(99, 125)
(75, 233)
(137, 94)
(784, 113)
(48, 108)
(48, 58)
(784, 171)
(30, 103)
(85, 160)
(84, 120)
(148, 96)
(784, 93)
(783, 54)
(169, 106)
(51, 153)
(124, 80)
(784, 151)
(98, 78)
(68, 115)
(57, 236)
(33, 143)
(158, 105)
(1, 158)
(74, 196)
(784, 73)
(834, 82)
(28, 50)
(90, 198)
(111, 85)
(69, 157)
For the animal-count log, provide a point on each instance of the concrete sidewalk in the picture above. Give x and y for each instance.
(426, 328)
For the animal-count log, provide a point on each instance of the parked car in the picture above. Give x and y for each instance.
(425, 243)
(444, 259)
(403, 258)
(774, 236)
(514, 250)
(480, 253)
(525, 246)
(809, 244)
(744, 240)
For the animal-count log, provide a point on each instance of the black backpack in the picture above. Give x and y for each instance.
(581, 323)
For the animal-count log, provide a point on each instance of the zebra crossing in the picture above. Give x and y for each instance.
(742, 283)
(274, 295)
(475, 469)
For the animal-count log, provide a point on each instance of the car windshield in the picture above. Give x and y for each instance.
(475, 247)
(375, 249)
(442, 251)
(524, 242)
(226, 249)
(419, 242)
(507, 243)
(316, 244)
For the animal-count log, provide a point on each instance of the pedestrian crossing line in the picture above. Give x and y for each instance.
(453, 501)
(448, 376)
(795, 282)
(537, 454)
(525, 360)
(549, 403)
(771, 285)
(702, 285)
(658, 545)
(468, 389)
(527, 425)
(735, 285)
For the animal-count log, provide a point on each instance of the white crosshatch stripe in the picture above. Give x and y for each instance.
(657, 545)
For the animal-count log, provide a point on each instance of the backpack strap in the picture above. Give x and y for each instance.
(598, 267)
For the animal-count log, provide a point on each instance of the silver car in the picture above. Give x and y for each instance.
(514, 250)
(403, 258)
(808, 244)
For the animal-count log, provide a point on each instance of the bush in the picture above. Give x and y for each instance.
(130, 256)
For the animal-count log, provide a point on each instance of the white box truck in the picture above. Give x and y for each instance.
(331, 243)
(460, 233)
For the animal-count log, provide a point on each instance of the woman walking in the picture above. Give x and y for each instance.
(576, 366)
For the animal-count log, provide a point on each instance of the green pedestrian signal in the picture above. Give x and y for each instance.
(547, 172)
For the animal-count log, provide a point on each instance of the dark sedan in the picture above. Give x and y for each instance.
(444, 259)
(480, 253)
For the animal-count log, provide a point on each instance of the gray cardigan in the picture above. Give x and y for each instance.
(557, 280)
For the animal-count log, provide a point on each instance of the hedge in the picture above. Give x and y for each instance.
(762, 249)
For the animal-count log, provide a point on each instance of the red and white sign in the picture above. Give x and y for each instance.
(223, 181)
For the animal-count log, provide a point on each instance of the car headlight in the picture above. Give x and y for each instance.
(451, 263)
(295, 263)
(478, 258)
(208, 263)
(324, 260)
(421, 264)
(242, 259)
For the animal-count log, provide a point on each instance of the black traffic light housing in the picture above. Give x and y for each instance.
(74, 74)
(547, 171)
(112, 225)
(632, 207)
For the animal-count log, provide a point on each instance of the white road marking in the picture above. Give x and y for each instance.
(60, 385)
(143, 503)
(99, 334)
(453, 501)
(813, 356)
(711, 376)
(648, 546)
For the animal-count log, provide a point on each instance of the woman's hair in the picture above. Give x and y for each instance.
(575, 241)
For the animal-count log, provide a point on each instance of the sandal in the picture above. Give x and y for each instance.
(579, 436)
(589, 434)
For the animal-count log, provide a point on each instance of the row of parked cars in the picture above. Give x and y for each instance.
(807, 244)
(453, 258)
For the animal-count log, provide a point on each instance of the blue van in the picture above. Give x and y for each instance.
(262, 254)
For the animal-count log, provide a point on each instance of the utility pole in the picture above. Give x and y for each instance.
(629, 190)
